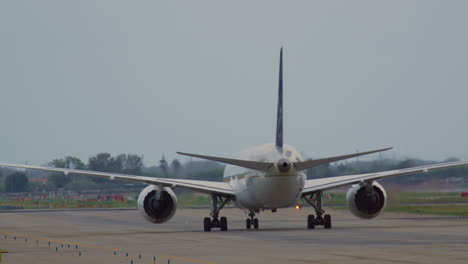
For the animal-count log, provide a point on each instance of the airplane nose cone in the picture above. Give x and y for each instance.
(284, 165)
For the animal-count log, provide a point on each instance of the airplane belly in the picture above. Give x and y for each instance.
(269, 192)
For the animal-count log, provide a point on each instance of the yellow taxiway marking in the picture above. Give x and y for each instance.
(376, 259)
(95, 247)
(189, 259)
(1, 252)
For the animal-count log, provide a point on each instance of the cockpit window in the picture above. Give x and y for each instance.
(288, 153)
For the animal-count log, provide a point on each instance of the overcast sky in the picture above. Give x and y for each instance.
(154, 77)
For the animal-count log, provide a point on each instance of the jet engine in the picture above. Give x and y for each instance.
(366, 201)
(157, 205)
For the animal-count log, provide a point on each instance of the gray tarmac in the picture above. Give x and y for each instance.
(106, 236)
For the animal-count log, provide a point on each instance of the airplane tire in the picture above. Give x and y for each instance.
(247, 223)
(255, 223)
(327, 221)
(310, 222)
(224, 224)
(207, 224)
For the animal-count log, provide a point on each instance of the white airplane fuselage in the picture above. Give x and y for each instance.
(270, 189)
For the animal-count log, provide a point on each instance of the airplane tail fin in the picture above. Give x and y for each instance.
(279, 117)
(263, 166)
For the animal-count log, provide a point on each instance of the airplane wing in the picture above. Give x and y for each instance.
(325, 184)
(222, 188)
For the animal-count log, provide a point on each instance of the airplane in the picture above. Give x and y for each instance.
(266, 177)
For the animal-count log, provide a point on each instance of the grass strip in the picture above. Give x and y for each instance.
(458, 210)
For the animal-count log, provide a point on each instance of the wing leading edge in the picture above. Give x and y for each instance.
(325, 184)
(222, 188)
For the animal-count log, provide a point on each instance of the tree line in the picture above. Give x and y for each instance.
(357, 166)
(17, 181)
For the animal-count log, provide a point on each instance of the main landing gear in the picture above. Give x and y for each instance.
(316, 203)
(251, 221)
(216, 221)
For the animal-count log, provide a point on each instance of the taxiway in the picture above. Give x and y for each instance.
(106, 236)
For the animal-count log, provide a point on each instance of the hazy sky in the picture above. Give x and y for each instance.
(154, 77)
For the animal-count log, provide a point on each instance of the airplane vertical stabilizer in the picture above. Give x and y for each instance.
(279, 117)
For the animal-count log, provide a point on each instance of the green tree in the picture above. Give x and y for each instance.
(128, 164)
(102, 162)
(322, 171)
(60, 179)
(117, 164)
(122, 163)
(2, 189)
(68, 162)
(215, 174)
(16, 182)
(176, 165)
(163, 164)
(407, 163)
(133, 164)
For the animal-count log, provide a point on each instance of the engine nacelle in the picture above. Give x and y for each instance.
(157, 207)
(366, 203)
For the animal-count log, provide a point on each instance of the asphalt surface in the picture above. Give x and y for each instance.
(107, 236)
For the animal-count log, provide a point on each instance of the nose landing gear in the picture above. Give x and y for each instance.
(316, 203)
(251, 221)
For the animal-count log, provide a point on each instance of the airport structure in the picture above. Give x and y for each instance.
(266, 177)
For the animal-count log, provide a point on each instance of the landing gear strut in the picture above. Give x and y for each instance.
(316, 203)
(251, 221)
(216, 221)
